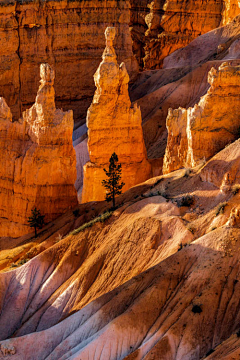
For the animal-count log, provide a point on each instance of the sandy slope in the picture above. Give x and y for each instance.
(144, 288)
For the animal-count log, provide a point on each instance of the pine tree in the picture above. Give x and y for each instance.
(36, 220)
(112, 184)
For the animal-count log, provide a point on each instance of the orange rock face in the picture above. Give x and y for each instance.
(174, 24)
(230, 10)
(38, 164)
(113, 126)
(67, 35)
(198, 133)
(158, 28)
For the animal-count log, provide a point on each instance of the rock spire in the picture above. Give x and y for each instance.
(38, 165)
(197, 133)
(113, 126)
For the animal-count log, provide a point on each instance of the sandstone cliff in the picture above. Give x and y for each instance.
(69, 36)
(113, 126)
(174, 24)
(38, 165)
(200, 132)
(66, 34)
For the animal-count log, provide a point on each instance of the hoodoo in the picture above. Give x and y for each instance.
(200, 132)
(113, 126)
(38, 162)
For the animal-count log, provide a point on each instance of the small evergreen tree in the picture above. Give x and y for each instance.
(36, 220)
(112, 184)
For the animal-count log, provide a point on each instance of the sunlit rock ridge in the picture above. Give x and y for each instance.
(195, 134)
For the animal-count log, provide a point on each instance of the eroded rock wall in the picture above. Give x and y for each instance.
(197, 133)
(160, 27)
(69, 36)
(38, 162)
(66, 34)
(230, 10)
(113, 126)
(174, 24)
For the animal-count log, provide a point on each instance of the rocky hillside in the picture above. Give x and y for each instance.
(182, 81)
(163, 269)
(158, 277)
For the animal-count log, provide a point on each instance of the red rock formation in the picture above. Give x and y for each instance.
(152, 296)
(230, 10)
(113, 126)
(158, 28)
(38, 165)
(182, 81)
(200, 132)
(67, 35)
(174, 24)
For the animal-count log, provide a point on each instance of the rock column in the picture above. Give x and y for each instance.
(38, 161)
(113, 126)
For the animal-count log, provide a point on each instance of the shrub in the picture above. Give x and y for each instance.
(187, 172)
(235, 189)
(181, 246)
(191, 229)
(13, 265)
(238, 132)
(89, 224)
(158, 181)
(186, 200)
(22, 262)
(196, 309)
(220, 208)
(210, 352)
(162, 193)
(76, 212)
(36, 220)
(58, 238)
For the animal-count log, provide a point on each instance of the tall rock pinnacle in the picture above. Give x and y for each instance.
(113, 126)
(38, 165)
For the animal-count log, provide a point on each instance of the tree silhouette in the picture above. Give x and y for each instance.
(112, 184)
(36, 220)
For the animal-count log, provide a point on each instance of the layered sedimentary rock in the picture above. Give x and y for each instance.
(158, 27)
(138, 28)
(174, 24)
(197, 133)
(38, 162)
(182, 81)
(113, 126)
(67, 35)
(231, 9)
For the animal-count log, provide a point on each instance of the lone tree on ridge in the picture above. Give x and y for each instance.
(112, 184)
(36, 220)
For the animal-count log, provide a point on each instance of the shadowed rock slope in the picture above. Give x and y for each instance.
(159, 279)
(182, 81)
